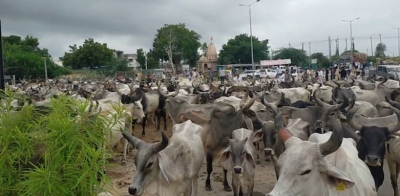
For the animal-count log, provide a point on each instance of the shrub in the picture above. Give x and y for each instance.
(64, 146)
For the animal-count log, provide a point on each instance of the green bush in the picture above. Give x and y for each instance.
(72, 139)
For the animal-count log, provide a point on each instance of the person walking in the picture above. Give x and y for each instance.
(210, 75)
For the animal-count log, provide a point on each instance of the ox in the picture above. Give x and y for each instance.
(326, 165)
(239, 158)
(159, 166)
(371, 145)
(220, 123)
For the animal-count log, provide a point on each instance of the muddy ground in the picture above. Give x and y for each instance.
(121, 175)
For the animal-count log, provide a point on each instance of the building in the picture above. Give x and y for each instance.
(209, 59)
(131, 58)
(58, 62)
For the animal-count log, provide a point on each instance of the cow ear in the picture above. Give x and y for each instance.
(258, 135)
(339, 179)
(225, 159)
(250, 159)
(358, 132)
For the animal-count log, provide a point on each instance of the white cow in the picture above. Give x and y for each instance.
(326, 165)
(169, 168)
(295, 94)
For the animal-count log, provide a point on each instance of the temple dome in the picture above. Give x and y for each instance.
(203, 59)
(211, 52)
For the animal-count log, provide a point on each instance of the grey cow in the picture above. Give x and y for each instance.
(238, 157)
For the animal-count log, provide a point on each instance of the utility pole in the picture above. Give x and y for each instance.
(345, 40)
(380, 38)
(372, 48)
(309, 52)
(45, 68)
(290, 45)
(302, 45)
(351, 39)
(270, 56)
(1, 63)
(398, 38)
(330, 51)
(145, 59)
(251, 35)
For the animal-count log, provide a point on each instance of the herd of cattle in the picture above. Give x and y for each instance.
(332, 137)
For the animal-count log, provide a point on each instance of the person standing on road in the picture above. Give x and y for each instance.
(210, 75)
(222, 75)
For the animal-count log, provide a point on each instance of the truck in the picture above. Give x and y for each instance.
(388, 71)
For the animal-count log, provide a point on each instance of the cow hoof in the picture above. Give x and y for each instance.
(123, 162)
(227, 188)
(268, 159)
(208, 187)
(143, 135)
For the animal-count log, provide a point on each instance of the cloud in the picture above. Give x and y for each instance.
(131, 24)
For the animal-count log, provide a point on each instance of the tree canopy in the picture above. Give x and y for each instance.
(322, 61)
(141, 58)
(238, 50)
(297, 56)
(24, 58)
(380, 50)
(90, 54)
(174, 42)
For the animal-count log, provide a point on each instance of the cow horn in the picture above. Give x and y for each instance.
(384, 81)
(319, 102)
(116, 90)
(159, 146)
(131, 90)
(132, 139)
(393, 103)
(338, 85)
(349, 117)
(246, 107)
(334, 141)
(397, 127)
(352, 82)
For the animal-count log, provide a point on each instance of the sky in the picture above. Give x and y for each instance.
(131, 24)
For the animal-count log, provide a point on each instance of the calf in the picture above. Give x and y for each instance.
(168, 168)
(239, 158)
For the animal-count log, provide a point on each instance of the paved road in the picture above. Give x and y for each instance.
(386, 188)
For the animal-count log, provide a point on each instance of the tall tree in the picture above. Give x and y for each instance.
(175, 43)
(297, 56)
(141, 58)
(322, 61)
(203, 48)
(152, 61)
(380, 50)
(24, 58)
(238, 50)
(90, 54)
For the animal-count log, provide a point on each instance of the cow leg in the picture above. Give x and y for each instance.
(125, 145)
(144, 125)
(250, 188)
(133, 125)
(240, 191)
(226, 185)
(393, 169)
(236, 186)
(158, 115)
(209, 159)
(164, 115)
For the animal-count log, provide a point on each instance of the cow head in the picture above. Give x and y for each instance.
(135, 97)
(147, 164)
(329, 110)
(238, 155)
(371, 145)
(303, 164)
(268, 134)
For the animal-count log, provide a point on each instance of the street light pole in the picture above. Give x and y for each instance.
(398, 38)
(351, 38)
(251, 35)
(45, 68)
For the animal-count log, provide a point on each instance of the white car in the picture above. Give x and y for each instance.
(249, 73)
(270, 73)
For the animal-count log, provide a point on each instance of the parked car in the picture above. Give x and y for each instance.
(388, 71)
(247, 73)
